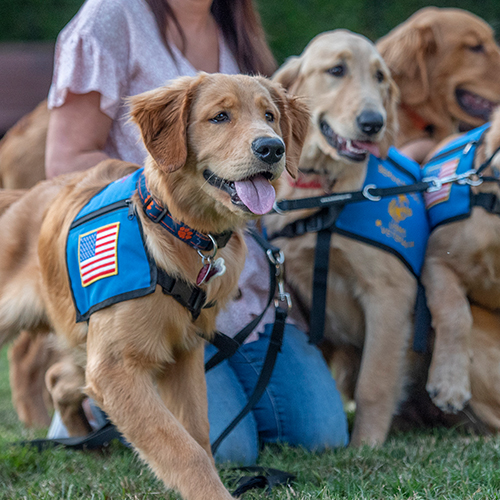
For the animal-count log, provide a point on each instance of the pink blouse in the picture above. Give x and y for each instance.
(114, 47)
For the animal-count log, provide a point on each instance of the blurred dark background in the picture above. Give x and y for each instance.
(28, 29)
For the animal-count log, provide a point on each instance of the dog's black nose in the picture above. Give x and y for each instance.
(370, 122)
(268, 149)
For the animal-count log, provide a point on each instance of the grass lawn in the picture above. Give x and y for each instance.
(441, 464)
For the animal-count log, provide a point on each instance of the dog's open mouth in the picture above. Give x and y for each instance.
(350, 148)
(474, 105)
(254, 194)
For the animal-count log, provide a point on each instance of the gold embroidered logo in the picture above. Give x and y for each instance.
(399, 208)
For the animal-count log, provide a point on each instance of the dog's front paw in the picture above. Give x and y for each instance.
(449, 389)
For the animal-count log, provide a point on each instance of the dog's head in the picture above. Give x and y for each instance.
(351, 95)
(445, 56)
(218, 142)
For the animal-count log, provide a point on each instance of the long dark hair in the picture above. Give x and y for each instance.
(241, 27)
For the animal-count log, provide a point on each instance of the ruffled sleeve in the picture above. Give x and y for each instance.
(92, 57)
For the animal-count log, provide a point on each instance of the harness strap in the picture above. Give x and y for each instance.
(320, 286)
(422, 321)
(160, 215)
(325, 219)
(488, 201)
(323, 223)
(191, 297)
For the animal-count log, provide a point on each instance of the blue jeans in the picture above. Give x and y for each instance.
(301, 405)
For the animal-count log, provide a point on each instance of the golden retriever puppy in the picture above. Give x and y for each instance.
(446, 64)
(22, 150)
(216, 144)
(371, 294)
(463, 259)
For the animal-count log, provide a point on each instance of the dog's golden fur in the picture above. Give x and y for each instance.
(22, 150)
(462, 267)
(143, 358)
(432, 55)
(371, 294)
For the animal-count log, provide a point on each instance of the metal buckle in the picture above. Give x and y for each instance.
(368, 196)
(158, 218)
(277, 209)
(470, 177)
(278, 261)
(209, 258)
(437, 183)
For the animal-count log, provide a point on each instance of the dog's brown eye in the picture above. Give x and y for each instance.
(269, 117)
(477, 48)
(221, 117)
(379, 76)
(337, 71)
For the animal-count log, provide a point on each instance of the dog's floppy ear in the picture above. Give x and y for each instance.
(392, 125)
(162, 116)
(288, 74)
(294, 123)
(406, 51)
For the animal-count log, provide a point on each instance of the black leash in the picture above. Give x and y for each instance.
(92, 441)
(226, 345)
(268, 478)
(276, 276)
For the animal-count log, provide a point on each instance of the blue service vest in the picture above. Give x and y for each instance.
(452, 201)
(397, 224)
(106, 256)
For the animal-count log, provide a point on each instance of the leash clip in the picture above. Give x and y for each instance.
(278, 209)
(471, 178)
(279, 260)
(209, 258)
(368, 196)
(435, 184)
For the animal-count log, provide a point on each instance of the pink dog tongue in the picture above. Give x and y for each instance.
(367, 146)
(257, 194)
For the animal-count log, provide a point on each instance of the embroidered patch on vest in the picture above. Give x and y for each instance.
(443, 194)
(97, 253)
(452, 201)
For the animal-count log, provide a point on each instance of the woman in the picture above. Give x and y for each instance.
(116, 48)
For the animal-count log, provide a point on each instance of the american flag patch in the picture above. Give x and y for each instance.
(97, 256)
(442, 194)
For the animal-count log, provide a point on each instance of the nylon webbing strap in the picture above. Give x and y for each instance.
(488, 201)
(227, 346)
(320, 286)
(422, 322)
(329, 200)
(275, 343)
(189, 296)
(268, 478)
(92, 441)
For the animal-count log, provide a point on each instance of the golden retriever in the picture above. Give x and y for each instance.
(22, 150)
(215, 143)
(371, 294)
(446, 64)
(461, 267)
